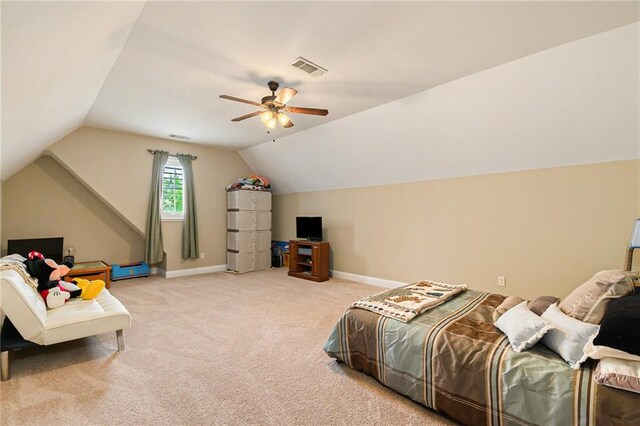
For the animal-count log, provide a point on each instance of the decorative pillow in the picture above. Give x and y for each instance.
(522, 327)
(620, 328)
(506, 304)
(618, 373)
(540, 304)
(569, 336)
(600, 352)
(588, 302)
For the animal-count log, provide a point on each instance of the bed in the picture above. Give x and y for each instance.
(454, 360)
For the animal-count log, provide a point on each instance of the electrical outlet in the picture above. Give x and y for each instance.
(502, 281)
(201, 255)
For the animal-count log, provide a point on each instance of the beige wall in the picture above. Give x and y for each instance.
(117, 168)
(1, 186)
(44, 200)
(546, 230)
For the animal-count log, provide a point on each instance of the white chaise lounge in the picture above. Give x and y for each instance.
(22, 304)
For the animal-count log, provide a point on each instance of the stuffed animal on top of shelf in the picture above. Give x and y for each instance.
(52, 288)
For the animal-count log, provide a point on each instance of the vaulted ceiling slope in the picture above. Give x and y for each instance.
(156, 68)
(574, 104)
(55, 59)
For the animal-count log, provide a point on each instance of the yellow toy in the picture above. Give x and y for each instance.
(90, 289)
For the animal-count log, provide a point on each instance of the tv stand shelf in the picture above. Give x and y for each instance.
(313, 266)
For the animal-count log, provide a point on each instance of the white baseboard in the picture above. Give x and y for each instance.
(380, 282)
(193, 271)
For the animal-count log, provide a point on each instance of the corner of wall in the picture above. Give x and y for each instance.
(78, 177)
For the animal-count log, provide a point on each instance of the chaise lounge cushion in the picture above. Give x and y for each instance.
(75, 320)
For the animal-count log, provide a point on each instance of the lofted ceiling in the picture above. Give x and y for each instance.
(157, 68)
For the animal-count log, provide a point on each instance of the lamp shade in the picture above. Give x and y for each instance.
(266, 116)
(283, 119)
(635, 236)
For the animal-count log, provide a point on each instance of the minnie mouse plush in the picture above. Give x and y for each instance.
(52, 288)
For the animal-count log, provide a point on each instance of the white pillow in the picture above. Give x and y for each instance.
(600, 352)
(618, 373)
(522, 327)
(569, 336)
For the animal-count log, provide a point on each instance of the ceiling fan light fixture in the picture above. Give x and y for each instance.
(266, 116)
(273, 105)
(283, 119)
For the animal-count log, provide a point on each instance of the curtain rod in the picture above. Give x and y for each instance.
(153, 151)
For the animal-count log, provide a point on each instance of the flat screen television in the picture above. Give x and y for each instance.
(309, 228)
(51, 248)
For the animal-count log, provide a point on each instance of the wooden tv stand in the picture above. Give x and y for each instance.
(309, 260)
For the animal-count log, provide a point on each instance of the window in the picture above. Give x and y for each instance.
(172, 201)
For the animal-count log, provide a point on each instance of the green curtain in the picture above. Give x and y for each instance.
(190, 248)
(153, 248)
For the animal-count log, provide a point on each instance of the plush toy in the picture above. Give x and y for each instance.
(52, 288)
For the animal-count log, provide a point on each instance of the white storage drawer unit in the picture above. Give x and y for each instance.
(240, 262)
(248, 241)
(248, 261)
(247, 220)
(263, 260)
(248, 231)
(249, 200)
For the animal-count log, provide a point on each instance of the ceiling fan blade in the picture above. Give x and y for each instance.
(289, 124)
(285, 95)
(244, 101)
(244, 117)
(311, 111)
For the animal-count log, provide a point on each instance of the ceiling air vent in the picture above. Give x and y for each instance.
(184, 138)
(308, 67)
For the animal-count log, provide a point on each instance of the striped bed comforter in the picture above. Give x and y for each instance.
(454, 360)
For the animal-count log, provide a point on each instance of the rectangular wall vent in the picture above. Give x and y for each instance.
(308, 67)
(184, 138)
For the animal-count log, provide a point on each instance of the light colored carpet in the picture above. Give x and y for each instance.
(209, 349)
